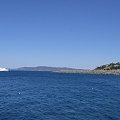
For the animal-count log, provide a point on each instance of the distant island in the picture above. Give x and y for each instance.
(43, 68)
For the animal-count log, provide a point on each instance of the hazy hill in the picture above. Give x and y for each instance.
(43, 68)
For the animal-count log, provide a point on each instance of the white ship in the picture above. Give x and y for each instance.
(3, 69)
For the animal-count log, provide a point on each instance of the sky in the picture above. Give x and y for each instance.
(65, 33)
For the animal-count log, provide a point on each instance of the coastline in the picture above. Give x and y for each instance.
(105, 72)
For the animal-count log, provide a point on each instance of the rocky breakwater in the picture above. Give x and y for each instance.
(114, 72)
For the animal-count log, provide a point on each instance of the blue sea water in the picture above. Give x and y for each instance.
(56, 96)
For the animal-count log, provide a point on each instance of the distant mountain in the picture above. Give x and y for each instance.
(43, 68)
(111, 66)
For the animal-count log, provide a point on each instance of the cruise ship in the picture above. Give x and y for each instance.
(3, 69)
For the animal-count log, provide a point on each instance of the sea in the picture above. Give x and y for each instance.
(58, 96)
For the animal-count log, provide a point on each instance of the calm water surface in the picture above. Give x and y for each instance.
(54, 96)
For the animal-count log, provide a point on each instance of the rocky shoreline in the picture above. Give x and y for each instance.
(105, 72)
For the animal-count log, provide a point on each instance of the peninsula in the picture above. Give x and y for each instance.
(112, 68)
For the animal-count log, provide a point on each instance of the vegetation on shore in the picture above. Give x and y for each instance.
(111, 66)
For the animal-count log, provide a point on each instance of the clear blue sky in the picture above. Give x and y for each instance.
(71, 33)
